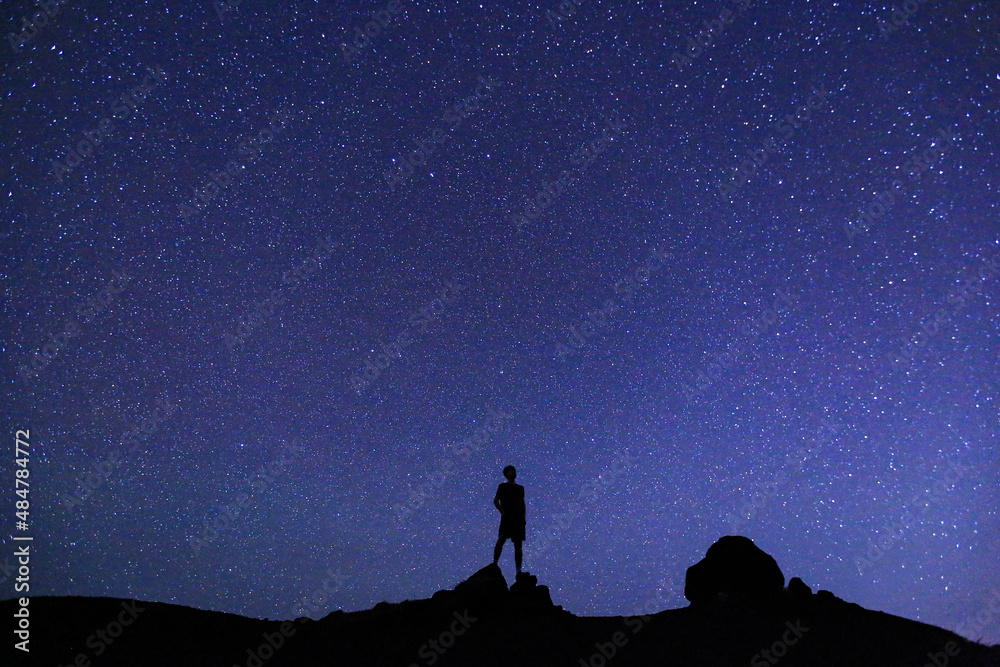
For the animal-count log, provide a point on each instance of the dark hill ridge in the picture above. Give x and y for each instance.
(740, 614)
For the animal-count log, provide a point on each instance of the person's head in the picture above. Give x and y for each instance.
(510, 472)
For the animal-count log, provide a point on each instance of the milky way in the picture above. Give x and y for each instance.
(286, 288)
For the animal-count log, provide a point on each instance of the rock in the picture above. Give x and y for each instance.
(798, 590)
(443, 596)
(525, 581)
(485, 588)
(733, 566)
(827, 597)
(526, 591)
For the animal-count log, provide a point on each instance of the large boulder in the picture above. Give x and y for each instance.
(733, 566)
(484, 589)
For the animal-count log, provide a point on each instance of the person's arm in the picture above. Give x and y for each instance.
(496, 501)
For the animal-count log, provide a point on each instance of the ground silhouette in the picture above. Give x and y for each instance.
(742, 619)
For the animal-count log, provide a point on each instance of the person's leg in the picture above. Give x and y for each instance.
(517, 554)
(498, 549)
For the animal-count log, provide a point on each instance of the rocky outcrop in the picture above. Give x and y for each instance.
(733, 567)
(526, 592)
(482, 623)
(798, 590)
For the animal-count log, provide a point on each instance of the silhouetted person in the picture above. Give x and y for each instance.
(510, 501)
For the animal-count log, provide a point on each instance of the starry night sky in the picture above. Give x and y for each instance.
(282, 297)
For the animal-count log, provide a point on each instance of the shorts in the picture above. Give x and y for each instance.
(511, 529)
